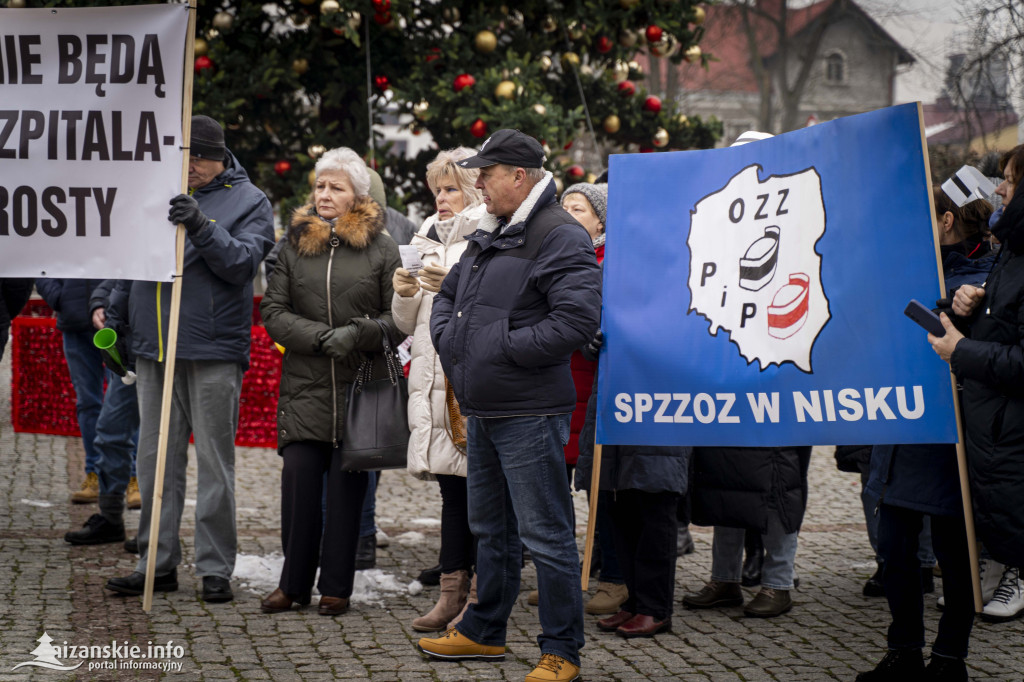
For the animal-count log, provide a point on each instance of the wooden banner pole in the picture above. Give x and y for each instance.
(595, 489)
(172, 326)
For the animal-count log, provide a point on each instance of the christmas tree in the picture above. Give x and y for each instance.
(291, 78)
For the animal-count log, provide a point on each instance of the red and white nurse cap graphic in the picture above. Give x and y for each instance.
(789, 307)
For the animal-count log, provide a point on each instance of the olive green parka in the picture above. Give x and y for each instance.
(320, 283)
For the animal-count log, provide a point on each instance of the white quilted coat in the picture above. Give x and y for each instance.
(430, 450)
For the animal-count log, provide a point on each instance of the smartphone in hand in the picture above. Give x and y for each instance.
(923, 315)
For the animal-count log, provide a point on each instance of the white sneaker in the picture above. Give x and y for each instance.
(991, 572)
(382, 538)
(991, 575)
(1008, 601)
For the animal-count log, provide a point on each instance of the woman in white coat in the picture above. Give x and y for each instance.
(432, 454)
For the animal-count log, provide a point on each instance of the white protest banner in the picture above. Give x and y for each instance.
(90, 140)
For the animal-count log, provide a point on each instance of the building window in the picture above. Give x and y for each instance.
(835, 68)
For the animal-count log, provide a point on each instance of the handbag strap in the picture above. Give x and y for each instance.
(364, 373)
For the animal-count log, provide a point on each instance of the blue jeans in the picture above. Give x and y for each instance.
(117, 433)
(85, 365)
(780, 554)
(516, 489)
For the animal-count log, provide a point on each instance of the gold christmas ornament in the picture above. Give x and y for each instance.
(635, 68)
(515, 19)
(628, 38)
(570, 59)
(559, 185)
(505, 90)
(312, 178)
(540, 109)
(612, 124)
(620, 71)
(223, 20)
(485, 42)
(450, 14)
(212, 33)
(699, 15)
(315, 150)
(420, 107)
(693, 53)
(300, 66)
(545, 62)
(575, 30)
(681, 119)
(586, 70)
(660, 137)
(200, 47)
(590, 178)
(548, 24)
(329, 7)
(354, 21)
(16, 4)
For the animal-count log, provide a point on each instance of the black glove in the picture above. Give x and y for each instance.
(185, 210)
(339, 342)
(593, 348)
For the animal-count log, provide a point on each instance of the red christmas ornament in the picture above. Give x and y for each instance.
(381, 6)
(381, 82)
(478, 129)
(382, 18)
(463, 81)
(627, 89)
(433, 53)
(575, 172)
(203, 63)
(652, 104)
(653, 33)
(282, 167)
(568, 145)
(604, 44)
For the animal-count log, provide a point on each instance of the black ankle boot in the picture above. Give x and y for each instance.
(366, 552)
(873, 587)
(754, 559)
(945, 669)
(899, 665)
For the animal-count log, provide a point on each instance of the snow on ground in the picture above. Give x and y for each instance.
(36, 503)
(410, 538)
(427, 522)
(259, 575)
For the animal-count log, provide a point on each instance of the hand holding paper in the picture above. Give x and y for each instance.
(431, 278)
(404, 284)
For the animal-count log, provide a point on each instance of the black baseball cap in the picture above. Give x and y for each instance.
(507, 146)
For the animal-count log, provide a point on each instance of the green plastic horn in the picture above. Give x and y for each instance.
(106, 340)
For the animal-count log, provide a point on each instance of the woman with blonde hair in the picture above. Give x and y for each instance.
(432, 453)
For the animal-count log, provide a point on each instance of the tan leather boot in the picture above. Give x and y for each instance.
(471, 599)
(454, 590)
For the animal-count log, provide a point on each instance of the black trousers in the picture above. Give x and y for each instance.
(645, 542)
(304, 524)
(898, 531)
(458, 546)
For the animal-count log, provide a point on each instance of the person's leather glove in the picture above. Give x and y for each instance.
(592, 349)
(339, 342)
(432, 277)
(185, 210)
(405, 285)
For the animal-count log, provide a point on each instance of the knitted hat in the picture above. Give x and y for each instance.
(207, 139)
(597, 195)
(377, 188)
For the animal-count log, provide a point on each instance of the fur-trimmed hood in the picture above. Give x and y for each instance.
(310, 235)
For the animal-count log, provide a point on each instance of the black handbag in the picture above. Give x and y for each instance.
(376, 431)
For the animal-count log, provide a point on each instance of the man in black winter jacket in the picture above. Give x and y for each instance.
(526, 293)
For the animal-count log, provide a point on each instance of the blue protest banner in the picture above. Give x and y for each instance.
(754, 295)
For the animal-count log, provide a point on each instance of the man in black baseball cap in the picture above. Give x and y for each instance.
(509, 147)
(525, 294)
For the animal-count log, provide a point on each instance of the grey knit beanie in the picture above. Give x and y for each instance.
(597, 195)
